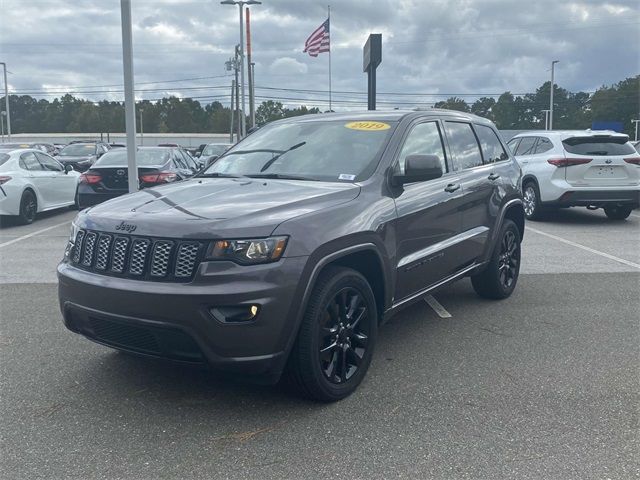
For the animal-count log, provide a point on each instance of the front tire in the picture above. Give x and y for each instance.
(335, 343)
(531, 201)
(28, 208)
(617, 213)
(499, 279)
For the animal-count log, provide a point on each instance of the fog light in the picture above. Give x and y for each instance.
(235, 314)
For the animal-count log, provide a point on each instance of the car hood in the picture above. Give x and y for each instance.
(215, 207)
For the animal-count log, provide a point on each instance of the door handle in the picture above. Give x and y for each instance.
(494, 176)
(452, 187)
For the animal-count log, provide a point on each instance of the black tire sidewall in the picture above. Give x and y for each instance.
(617, 212)
(23, 200)
(309, 333)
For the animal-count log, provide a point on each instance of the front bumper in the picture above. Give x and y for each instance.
(173, 321)
(597, 198)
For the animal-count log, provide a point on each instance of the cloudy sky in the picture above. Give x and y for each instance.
(435, 48)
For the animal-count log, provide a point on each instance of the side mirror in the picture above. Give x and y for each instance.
(419, 168)
(67, 168)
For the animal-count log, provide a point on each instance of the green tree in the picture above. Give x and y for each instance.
(268, 111)
(453, 103)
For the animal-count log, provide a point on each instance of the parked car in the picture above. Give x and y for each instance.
(212, 151)
(288, 253)
(81, 155)
(108, 177)
(31, 182)
(44, 147)
(587, 168)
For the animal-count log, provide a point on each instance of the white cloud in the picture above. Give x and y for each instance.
(287, 66)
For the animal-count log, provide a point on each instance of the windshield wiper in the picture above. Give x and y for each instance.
(276, 157)
(257, 150)
(280, 176)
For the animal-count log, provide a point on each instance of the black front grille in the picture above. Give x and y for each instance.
(136, 257)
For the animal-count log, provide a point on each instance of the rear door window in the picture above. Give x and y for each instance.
(28, 161)
(598, 146)
(527, 146)
(464, 145)
(543, 145)
(492, 148)
(49, 163)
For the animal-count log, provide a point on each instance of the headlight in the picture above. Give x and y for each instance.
(248, 252)
(72, 239)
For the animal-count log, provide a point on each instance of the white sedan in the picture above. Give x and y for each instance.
(31, 182)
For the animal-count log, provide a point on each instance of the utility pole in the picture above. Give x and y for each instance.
(553, 64)
(252, 110)
(636, 122)
(234, 64)
(129, 98)
(233, 90)
(6, 101)
(239, 112)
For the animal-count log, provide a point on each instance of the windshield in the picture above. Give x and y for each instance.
(598, 146)
(145, 157)
(78, 149)
(210, 150)
(313, 150)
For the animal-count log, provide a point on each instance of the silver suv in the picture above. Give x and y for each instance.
(593, 169)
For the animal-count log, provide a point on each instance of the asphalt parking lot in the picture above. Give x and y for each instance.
(545, 384)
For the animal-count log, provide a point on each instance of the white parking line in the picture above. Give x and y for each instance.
(32, 234)
(588, 249)
(439, 309)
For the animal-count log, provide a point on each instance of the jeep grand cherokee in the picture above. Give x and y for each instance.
(287, 253)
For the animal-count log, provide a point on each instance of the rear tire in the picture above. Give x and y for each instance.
(617, 213)
(336, 339)
(531, 200)
(28, 208)
(498, 280)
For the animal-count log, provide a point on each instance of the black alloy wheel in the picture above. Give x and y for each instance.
(28, 208)
(499, 278)
(335, 342)
(344, 335)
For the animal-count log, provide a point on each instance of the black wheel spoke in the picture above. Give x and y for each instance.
(360, 340)
(330, 371)
(354, 357)
(343, 365)
(360, 316)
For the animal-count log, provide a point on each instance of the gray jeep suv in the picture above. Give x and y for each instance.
(286, 254)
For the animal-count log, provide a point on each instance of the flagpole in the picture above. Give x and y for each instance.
(329, 19)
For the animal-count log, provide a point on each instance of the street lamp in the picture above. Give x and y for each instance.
(241, 4)
(6, 101)
(553, 64)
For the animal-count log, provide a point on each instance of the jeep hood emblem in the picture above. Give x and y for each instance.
(126, 227)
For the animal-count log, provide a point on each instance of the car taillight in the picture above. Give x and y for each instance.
(567, 162)
(90, 178)
(4, 179)
(633, 160)
(162, 177)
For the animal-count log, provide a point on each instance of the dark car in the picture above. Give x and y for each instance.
(288, 252)
(212, 151)
(108, 177)
(81, 155)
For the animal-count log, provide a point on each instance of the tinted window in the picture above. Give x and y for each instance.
(424, 139)
(49, 163)
(334, 150)
(598, 146)
(526, 146)
(463, 143)
(28, 161)
(190, 162)
(492, 149)
(79, 149)
(4, 157)
(544, 145)
(179, 160)
(144, 157)
(212, 149)
(513, 144)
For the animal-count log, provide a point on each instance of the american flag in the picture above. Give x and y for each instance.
(318, 41)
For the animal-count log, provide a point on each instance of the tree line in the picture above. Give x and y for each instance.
(69, 114)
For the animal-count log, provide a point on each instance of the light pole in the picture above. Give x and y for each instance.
(2, 115)
(546, 119)
(129, 98)
(141, 128)
(241, 4)
(553, 64)
(6, 101)
(636, 122)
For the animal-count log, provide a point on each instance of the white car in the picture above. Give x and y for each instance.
(32, 181)
(588, 168)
